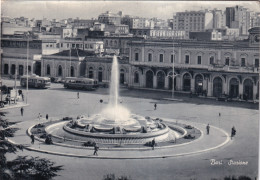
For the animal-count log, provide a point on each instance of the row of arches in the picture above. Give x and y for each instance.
(217, 84)
(13, 69)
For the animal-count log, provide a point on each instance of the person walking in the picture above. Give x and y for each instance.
(21, 111)
(208, 127)
(155, 106)
(47, 117)
(78, 95)
(233, 131)
(32, 138)
(153, 143)
(96, 149)
(219, 114)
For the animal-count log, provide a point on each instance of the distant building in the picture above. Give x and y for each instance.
(110, 18)
(11, 29)
(159, 33)
(238, 17)
(196, 21)
(218, 19)
(210, 35)
(138, 22)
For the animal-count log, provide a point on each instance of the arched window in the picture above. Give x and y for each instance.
(136, 77)
(149, 79)
(48, 70)
(186, 82)
(217, 87)
(60, 71)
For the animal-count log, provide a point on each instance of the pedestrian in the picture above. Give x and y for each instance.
(219, 114)
(233, 131)
(19, 92)
(22, 97)
(155, 106)
(208, 127)
(21, 111)
(39, 116)
(47, 117)
(78, 95)
(96, 149)
(153, 143)
(32, 138)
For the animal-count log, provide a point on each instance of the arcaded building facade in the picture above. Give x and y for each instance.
(216, 68)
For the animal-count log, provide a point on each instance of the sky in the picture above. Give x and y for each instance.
(91, 9)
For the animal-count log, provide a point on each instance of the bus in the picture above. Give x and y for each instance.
(80, 83)
(35, 81)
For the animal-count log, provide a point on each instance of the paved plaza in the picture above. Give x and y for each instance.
(167, 163)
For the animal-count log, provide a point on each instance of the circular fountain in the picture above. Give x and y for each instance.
(116, 124)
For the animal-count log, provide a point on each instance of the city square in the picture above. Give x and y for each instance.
(139, 164)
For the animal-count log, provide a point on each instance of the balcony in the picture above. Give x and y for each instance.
(220, 68)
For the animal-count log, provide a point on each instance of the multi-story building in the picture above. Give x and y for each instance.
(218, 19)
(159, 33)
(212, 67)
(83, 23)
(137, 22)
(238, 17)
(193, 21)
(110, 18)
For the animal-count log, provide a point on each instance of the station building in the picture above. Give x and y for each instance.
(217, 68)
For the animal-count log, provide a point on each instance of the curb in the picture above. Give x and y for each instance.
(143, 157)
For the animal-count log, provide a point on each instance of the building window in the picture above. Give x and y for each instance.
(211, 60)
(161, 58)
(136, 77)
(73, 45)
(257, 63)
(61, 45)
(172, 58)
(187, 59)
(136, 57)
(227, 61)
(199, 59)
(243, 62)
(68, 45)
(150, 58)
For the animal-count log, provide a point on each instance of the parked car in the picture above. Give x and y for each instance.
(224, 97)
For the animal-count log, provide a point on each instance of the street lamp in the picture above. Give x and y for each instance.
(173, 75)
(27, 53)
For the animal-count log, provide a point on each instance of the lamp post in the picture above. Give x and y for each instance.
(27, 53)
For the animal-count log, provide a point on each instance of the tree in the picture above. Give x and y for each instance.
(22, 167)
